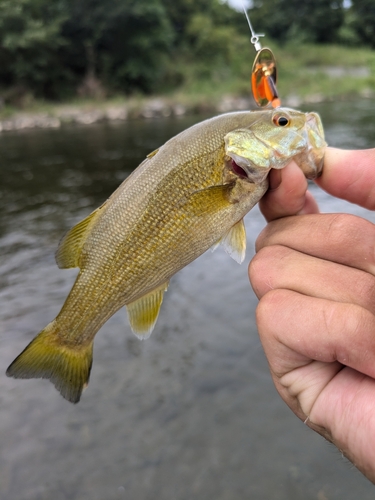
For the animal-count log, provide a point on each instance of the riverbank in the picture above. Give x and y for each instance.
(308, 74)
(90, 112)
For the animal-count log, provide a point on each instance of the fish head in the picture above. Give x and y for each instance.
(272, 140)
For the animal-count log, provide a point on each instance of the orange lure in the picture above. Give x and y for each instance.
(263, 79)
(263, 73)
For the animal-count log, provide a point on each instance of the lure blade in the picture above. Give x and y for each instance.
(263, 79)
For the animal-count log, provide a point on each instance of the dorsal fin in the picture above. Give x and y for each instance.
(69, 249)
(144, 312)
(153, 153)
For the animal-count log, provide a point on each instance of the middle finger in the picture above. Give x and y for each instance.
(278, 266)
(341, 238)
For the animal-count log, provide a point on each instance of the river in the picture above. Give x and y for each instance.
(190, 413)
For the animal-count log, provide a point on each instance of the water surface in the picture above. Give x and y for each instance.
(190, 413)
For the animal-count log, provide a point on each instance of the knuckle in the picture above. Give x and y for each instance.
(367, 291)
(346, 227)
(265, 264)
(355, 235)
(266, 235)
(268, 307)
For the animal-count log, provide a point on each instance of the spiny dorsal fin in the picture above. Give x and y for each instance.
(69, 249)
(234, 242)
(153, 153)
(144, 312)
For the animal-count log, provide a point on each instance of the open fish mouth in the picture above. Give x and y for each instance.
(237, 169)
(241, 167)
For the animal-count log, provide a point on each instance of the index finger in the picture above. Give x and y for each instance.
(350, 175)
(287, 194)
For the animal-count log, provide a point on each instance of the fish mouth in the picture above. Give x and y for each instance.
(315, 132)
(244, 169)
(314, 124)
(237, 169)
(311, 160)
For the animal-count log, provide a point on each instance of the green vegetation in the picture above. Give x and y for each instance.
(329, 70)
(306, 72)
(310, 20)
(186, 50)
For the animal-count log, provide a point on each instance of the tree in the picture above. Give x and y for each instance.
(54, 48)
(120, 42)
(196, 20)
(135, 45)
(29, 39)
(310, 20)
(364, 20)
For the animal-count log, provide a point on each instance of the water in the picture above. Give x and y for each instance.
(192, 412)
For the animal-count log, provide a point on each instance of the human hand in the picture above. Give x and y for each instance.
(315, 277)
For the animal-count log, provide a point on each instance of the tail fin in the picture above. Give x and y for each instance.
(68, 368)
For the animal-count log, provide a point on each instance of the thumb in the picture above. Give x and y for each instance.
(350, 175)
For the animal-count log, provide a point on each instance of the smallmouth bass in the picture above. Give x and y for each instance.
(187, 196)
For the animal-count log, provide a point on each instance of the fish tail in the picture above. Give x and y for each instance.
(67, 367)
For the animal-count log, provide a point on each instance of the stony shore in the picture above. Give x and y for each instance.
(87, 114)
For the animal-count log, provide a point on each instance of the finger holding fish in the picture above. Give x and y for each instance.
(347, 174)
(287, 194)
(281, 267)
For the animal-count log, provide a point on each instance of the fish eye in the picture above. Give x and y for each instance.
(281, 120)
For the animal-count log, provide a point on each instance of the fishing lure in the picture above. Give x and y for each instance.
(263, 73)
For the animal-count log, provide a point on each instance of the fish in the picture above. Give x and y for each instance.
(186, 197)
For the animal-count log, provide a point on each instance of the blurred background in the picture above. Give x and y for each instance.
(190, 51)
(88, 88)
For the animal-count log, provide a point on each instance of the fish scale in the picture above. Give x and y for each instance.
(185, 197)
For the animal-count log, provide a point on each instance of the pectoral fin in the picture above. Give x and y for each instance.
(70, 247)
(234, 242)
(144, 312)
(208, 201)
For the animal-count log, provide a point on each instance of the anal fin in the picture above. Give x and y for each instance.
(144, 312)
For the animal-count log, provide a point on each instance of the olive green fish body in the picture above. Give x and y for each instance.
(184, 198)
(154, 230)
